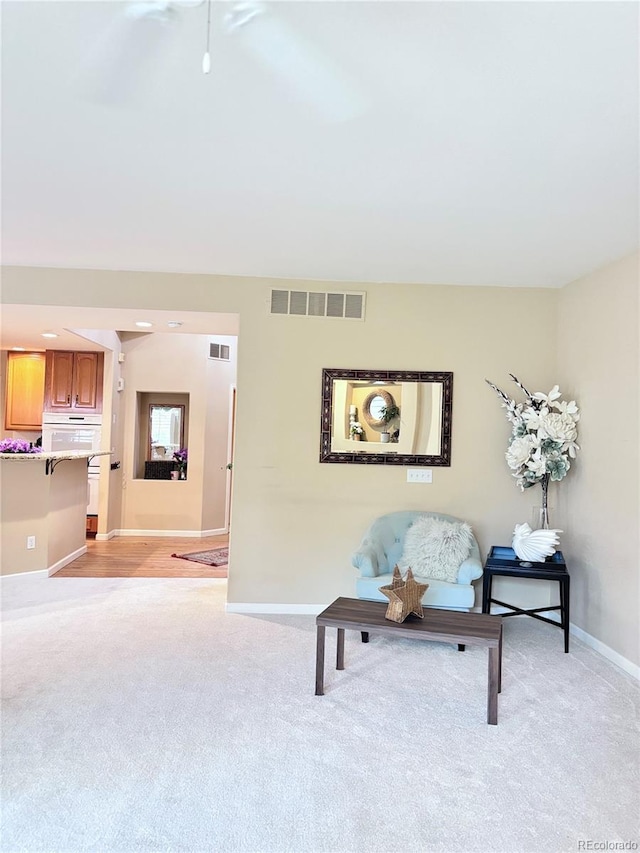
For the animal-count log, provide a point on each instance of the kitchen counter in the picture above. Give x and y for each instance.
(55, 455)
(43, 510)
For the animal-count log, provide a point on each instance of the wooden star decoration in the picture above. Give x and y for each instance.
(404, 596)
(396, 581)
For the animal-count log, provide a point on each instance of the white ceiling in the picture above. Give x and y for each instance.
(498, 145)
(76, 328)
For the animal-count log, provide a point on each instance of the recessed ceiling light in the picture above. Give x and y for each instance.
(18, 349)
(143, 324)
(49, 335)
(173, 324)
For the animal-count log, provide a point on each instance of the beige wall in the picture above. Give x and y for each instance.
(598, 366)
(67, 510)
(295, 521)
(220, 377)
(50, 507)
(24, 507)
(177, 364)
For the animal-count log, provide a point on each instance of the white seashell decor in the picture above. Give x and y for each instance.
(534, 545)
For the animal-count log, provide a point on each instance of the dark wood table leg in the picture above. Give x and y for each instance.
(564, 592)
(486, 591)
(320, 660)
(340, 649)
(500, 662)
(494, 678)
(365, 636)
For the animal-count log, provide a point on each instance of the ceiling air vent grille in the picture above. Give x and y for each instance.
(301, 303)
(220, 352)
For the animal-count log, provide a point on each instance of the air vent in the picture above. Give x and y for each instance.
(302, 303)
(220, 352)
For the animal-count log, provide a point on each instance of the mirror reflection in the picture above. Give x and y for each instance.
(403, 417)
(166, 431)
(379, 408)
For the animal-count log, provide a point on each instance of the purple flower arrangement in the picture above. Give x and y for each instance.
(17, 445)
(181, 456)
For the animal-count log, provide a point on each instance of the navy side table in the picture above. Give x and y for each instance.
(504, 562)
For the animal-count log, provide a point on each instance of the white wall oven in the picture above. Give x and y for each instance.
(62, 432)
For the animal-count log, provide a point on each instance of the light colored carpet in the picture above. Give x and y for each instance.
(140, 717)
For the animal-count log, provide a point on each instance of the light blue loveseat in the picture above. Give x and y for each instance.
(381, 549)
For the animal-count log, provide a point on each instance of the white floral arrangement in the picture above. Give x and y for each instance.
(543, 438)
(356, 428)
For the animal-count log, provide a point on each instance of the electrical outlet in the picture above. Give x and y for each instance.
(419, 475)
(31, 543)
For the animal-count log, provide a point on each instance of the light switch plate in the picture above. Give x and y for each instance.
(419, 475)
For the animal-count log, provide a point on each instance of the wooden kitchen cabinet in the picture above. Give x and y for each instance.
(73, 382)
(25, 390)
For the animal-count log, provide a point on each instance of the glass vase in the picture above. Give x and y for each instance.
(540, 514)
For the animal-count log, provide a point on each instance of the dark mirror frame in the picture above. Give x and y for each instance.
(152, 406)
(330, 374)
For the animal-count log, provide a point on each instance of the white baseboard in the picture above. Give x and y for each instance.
(193, 534)
(66, 560)
(104, 537)
(607, 652)
(282, 609)
(219, 531)
(313, 610)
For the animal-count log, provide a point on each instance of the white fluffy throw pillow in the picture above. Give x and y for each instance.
(434, 548)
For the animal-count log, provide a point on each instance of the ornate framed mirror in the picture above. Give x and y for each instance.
(386, 417)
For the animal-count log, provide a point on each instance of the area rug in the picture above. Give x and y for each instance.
(212, 557)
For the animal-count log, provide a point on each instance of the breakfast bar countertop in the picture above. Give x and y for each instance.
(54, 454)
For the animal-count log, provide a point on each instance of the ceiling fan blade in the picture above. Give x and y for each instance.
(122, 57)
(309, 75)
(155, 10)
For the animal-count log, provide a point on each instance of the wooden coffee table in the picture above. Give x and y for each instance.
(440, 626)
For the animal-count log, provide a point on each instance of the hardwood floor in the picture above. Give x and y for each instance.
(144, 557)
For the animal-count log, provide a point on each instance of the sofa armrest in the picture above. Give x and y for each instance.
(366, 560)
(469, 570)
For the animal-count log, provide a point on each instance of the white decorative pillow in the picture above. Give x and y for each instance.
(434, 548)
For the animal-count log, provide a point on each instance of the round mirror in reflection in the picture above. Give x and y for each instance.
(374, 405)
